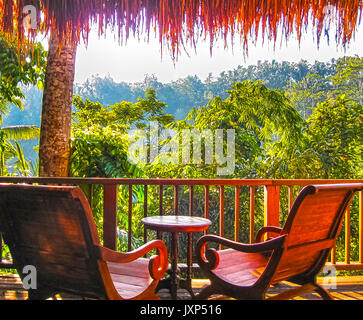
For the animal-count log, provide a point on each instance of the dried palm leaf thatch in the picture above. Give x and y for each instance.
(178, 22)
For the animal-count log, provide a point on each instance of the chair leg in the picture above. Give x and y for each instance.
(205, 293)
(323, 292)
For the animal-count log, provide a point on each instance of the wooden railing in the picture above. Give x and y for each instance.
(272, 205)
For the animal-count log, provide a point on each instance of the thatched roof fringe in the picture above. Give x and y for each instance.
(182, 21)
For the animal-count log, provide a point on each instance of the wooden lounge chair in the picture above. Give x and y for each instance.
(297, 253)
(52, 229)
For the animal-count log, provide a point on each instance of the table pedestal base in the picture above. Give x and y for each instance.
(174, 225)
(174, 281)
(174, 284)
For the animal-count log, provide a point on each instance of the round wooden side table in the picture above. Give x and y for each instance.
(175, 225)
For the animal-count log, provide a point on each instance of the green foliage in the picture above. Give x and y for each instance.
(347, 79)
(334, 132)
(18, 67)
(291, 120)
(99, 149)
(261, 118)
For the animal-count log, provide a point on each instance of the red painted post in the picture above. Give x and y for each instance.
(206, 204)
(252, 214)
(360, 219)
(236, 213)
(145, 211)
(129, 232)
(272, 206)
(221, 214)
(110, 216)
(176, 200)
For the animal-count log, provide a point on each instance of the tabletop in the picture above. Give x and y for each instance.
(176, 223)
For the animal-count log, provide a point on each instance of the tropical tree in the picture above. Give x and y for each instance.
(10, 149)
(334, 133)
(54, 146)
(100, 145)
(348, 79)
(330, 147)
(260, 118)
(178, 24)
(17, 68)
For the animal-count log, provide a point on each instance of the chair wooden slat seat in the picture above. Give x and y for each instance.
(239, 267)
(52, 229)
(297, 252)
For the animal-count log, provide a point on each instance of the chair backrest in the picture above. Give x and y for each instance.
(52, 229)
(313, 224)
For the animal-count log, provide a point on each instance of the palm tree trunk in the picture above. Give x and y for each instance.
(54, 149)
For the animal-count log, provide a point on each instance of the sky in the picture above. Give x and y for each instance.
(131, 62)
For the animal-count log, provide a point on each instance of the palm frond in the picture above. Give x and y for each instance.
(21, 132)
(22, 164)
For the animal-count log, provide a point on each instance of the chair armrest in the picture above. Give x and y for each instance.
(210, 258)
(158, 264)
(264, 230)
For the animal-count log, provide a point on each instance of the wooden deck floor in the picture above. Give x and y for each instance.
(345, 288)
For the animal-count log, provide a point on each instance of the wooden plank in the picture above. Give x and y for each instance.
(293, 292)
(110, 216)
(172, 182)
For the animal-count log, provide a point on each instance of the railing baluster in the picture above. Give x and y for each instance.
(333, 255)
(236, 213)
(145, 211)
(360, 227)
(347, 236)
(176, 200)
(252, 214)
(129, 233)
(160, 234)
(190, 235)
(272, 206)
(291, 196)
(206, 204)
(161, 200)
(191, 200)
(1, 247)
(110, 216)
(221, 213)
